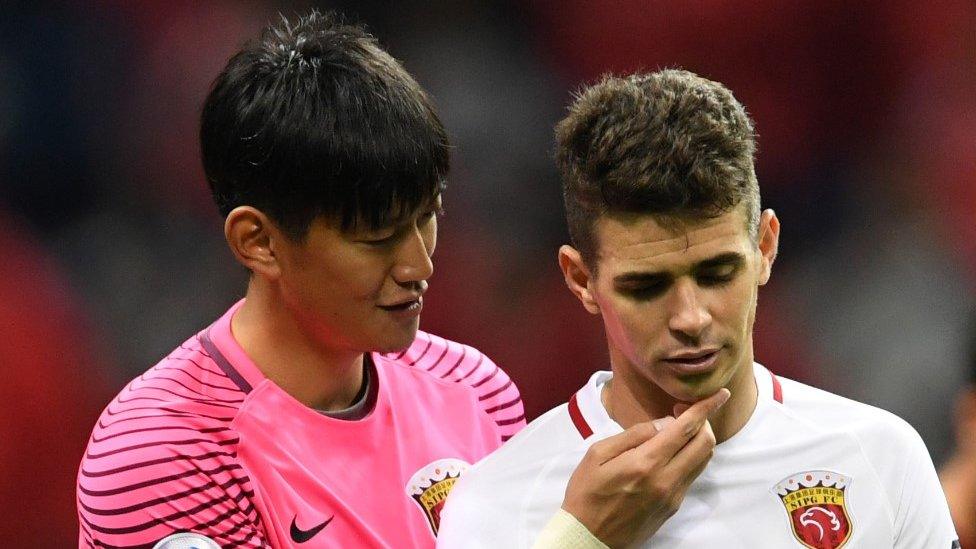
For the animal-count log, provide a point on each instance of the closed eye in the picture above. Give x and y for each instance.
(718, 274)
(646, 288)
(379, 237)
(391, 235)
(646, 293)
(380, 241)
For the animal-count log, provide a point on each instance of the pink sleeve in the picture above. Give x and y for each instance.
(499, 397)
(151, 470)
(496, 392)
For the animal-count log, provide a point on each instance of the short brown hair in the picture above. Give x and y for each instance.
(669, 143)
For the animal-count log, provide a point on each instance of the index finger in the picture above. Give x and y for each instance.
(674, 436)
(613, 446)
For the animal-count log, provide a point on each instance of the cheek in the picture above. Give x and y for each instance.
(342, 278)
(734, 307)
(364, 281)
(633, 327)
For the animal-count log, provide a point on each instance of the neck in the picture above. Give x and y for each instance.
(630, 398)
(281, 347)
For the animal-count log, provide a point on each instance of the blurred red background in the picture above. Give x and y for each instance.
(866, 114)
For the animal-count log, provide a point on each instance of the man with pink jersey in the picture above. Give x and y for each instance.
(313, 411)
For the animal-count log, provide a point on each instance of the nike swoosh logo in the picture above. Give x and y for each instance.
(301, 536)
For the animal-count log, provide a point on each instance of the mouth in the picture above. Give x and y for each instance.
(693, 362)
(407, 307)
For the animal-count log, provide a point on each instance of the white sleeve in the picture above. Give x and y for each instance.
(922, 515)
(470, 521)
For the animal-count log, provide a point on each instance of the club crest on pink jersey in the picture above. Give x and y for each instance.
(815, 505)
(430, 486)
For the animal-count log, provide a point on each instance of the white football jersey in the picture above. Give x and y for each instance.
(809, 469)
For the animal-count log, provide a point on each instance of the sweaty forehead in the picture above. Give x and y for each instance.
(636, 241)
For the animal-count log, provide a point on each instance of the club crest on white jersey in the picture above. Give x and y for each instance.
(815, 504)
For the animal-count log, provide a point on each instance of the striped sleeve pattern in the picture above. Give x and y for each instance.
(163, 459)
(447, 360)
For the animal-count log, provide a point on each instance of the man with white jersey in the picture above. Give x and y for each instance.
(670, 248)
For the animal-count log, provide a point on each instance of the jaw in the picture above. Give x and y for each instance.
(396, 336)
(641, 393)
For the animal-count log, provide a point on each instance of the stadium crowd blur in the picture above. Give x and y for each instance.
(113, 251)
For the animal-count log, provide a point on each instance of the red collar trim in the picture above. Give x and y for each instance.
(586, 431)
(574, 413)
(777, 388)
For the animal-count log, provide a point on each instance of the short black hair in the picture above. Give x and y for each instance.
(315, 119)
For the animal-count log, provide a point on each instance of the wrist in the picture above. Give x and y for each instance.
(565, 531)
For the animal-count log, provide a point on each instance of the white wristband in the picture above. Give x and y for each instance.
(563, 531)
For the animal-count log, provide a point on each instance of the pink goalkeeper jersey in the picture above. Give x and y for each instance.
(204, 443)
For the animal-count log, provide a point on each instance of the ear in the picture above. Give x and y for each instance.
(577, 277)
(251, 236)
(768, 244)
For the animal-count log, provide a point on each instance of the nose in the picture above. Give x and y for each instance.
(413, 261)
(688, 314)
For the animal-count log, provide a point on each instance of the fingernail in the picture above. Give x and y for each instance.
(660, 424)
(726, 394)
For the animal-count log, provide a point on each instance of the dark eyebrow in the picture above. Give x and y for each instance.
(637, 277)
(728, 258)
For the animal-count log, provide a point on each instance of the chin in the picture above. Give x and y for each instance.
(396, 342)
(694, 388)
